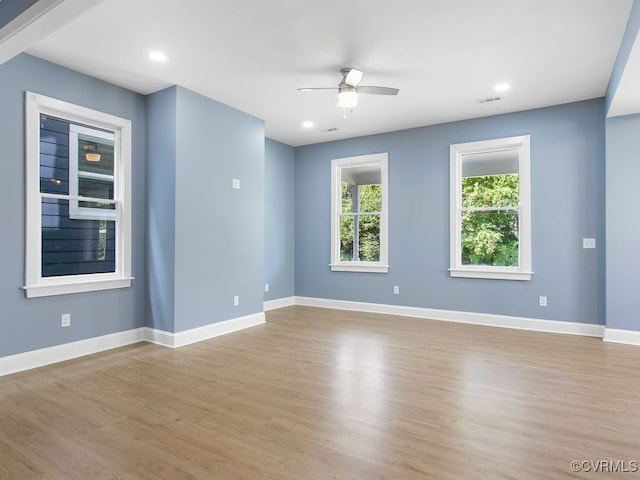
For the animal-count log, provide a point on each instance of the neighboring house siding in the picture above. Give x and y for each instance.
(69, 246)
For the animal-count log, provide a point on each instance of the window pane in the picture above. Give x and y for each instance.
(371, 198)
(346, 238)
(490, 191)
(54, 155)
(95, 155)
(90, 187)
(75, 247)
(369, 238)
(347, 201)
(490, 238)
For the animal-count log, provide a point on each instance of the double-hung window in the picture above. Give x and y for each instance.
(359, 200)
(491, 209)
(78, 215)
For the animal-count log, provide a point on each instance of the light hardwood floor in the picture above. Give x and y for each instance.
(331, 395)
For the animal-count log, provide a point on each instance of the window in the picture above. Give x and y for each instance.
(78, 215)
(490, 209)
(359, 221)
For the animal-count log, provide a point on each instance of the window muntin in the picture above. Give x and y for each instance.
(359, 214)
(78, 219)
(490, 209)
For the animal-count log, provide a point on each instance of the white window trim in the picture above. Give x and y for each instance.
(372, 267)
(35, 284)
(457, 151)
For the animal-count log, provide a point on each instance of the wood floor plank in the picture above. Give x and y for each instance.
(326, 394)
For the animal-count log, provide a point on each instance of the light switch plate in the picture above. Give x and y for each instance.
(588, 243)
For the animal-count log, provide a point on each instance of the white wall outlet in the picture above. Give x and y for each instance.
(396, 290)
(266, 287)
(542, 301)
(588, 243)
(236, 301)
(236, 183)
(65, 320)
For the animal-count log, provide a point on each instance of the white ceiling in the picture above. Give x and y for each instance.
(443, 55)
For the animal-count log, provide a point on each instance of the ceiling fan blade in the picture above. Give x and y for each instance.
(351, 77)
(378, 90)
(310, 89)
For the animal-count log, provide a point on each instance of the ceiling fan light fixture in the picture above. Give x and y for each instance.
(351, 76)
(92, 157)
(348, 97)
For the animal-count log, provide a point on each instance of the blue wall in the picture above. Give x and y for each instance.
(219, 231)
(160, 208)
(279, 235)
(206, 239)
(29, 324)
(567, 169)
(623, 222)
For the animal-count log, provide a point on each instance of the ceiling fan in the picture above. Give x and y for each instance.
(348, 88)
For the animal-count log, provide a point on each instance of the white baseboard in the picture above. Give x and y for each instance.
(187, 337)
(504, 321)
(67, 351)
(279, 303)
(628, 337)
(59, 353)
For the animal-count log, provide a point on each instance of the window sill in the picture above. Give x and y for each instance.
(491, 274)
(49, 289)
(365, 267)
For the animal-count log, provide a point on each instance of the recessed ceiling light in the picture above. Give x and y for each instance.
(158, 56)
(307, 124)
(502, 87)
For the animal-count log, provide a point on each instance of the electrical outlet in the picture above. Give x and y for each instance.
(588, 243)
(542, 301)
(236, 183)
(266, 287)
(65, 320)
(236, 301)
(396, 290)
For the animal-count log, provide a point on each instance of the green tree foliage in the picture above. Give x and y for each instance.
(368, 220)
(490, 237)
(102, 240)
